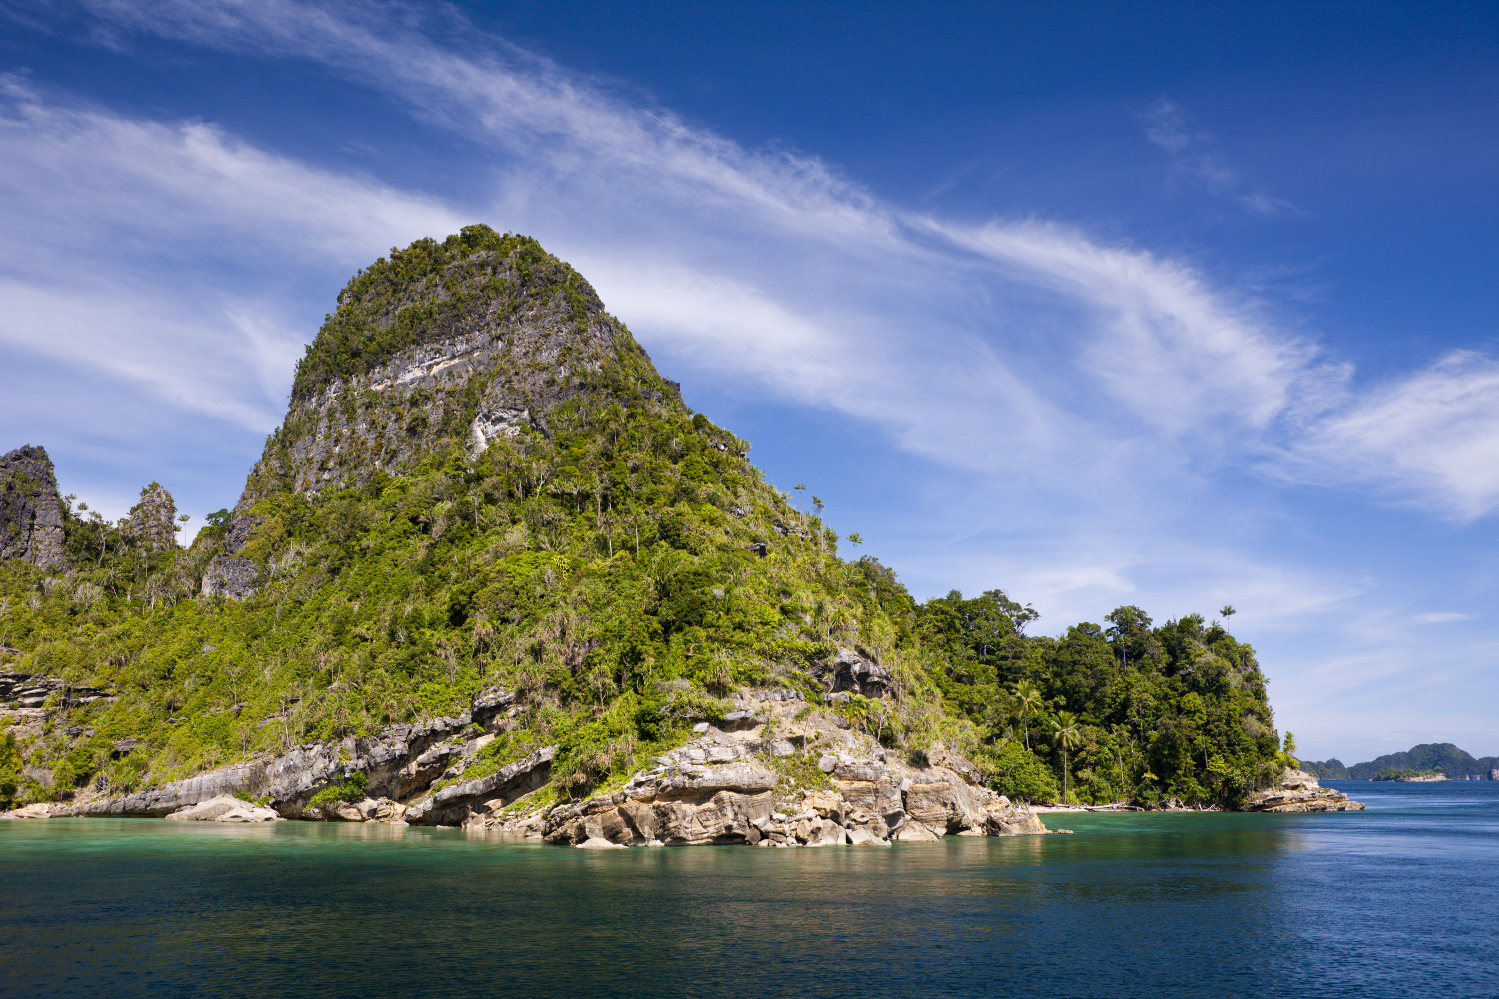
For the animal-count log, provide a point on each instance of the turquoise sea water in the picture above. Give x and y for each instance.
(1400, 900)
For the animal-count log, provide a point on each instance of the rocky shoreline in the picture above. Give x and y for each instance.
(775, 771)
(770, 773)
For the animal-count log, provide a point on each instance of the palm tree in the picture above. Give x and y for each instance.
(1027, 702)
(1227, 612)
(1065, 733)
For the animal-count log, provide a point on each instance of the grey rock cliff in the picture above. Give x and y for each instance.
(502, 342)
(30, 509)
(153, 521)
(401, 763)
(229, 574)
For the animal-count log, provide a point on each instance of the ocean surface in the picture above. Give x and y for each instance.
(1399, 900)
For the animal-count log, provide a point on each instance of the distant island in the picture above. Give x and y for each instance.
(1443, 760)
(1411, 775)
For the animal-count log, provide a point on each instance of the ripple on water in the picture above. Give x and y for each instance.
(1399, 900)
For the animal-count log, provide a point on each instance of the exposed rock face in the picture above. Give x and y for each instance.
(292, 779)
(153, 521)
(30, 690)
(30, 509)
(496, 334)
(40, 810)
(720, 788)
(733, 804)
(713, 805)
(224, 809)
(240, 530)
(849, 671)
(1299, 791)
(229, 574)
(457, 803)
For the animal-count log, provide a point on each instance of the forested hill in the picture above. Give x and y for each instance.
(483, 482)
(1443, 756)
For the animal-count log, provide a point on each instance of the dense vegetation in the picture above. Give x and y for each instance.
(1395, 773)
(623, 572)
(1331, 769)
(1431, 757)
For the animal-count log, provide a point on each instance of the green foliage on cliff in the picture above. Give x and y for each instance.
(349, 789)
(432, 290)
(1439, 756)
(1396, 773)
(622, 572)
(1332, 769)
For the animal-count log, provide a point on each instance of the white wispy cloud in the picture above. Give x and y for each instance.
(1441, 617)
(1430, 438)
(1194, 153)
(128, 242)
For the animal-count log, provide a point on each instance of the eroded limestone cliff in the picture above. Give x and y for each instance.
(30, 509)
(468, 340)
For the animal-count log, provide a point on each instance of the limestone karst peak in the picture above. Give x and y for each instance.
(30, 508)
(154, 519)
(445, 344)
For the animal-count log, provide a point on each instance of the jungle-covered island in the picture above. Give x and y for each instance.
(491, 571)
(1429, 761)
(1409, 775)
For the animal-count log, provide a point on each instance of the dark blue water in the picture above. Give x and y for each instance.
(1400, 900)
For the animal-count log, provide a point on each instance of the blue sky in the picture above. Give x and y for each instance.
(1171, 305)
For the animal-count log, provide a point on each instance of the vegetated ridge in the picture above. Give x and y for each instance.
(491, 570)
(1432, 757)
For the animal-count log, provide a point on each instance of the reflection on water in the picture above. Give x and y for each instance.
(1399, 900)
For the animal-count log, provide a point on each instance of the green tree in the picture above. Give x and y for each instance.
(1288, 751)
(1028, 701)
(1066, 735)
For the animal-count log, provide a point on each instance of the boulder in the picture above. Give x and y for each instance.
(224, 809)
(369, 810)
(942, 802)
(869, 833)
(726, 804)
(849, 671)
(872, 789)
(1298, 791)
(41, 810)
(912, 831)
(1001, 817)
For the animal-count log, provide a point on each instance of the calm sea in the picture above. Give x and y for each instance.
(1400, 900)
